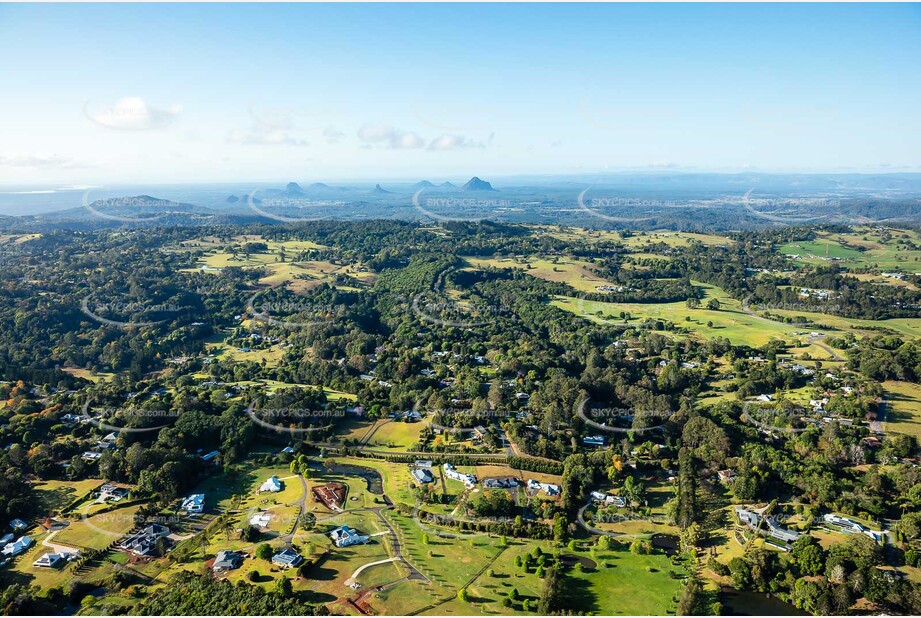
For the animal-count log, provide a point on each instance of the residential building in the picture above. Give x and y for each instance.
(194, 503)
(227, 560)
(287, 558)
(345, 536)
(272, 485)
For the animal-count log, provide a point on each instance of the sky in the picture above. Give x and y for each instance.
(173, 93)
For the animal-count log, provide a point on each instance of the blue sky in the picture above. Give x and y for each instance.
(213, 92)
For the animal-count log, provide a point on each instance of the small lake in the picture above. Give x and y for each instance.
(372, 477)
(747, 603)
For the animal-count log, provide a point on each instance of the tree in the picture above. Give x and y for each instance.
(463, 595)
(713, 304)
(690, 598)
(283, 587)
(264, 551)
(551, 593)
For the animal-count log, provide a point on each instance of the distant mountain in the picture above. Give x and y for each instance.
(294, 190)
(319, 186)
(379, 190)
(475, 184)
(134, 209)
(448, 185)
(423, 184)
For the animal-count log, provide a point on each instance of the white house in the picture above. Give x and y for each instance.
(467, 479)
(194, 503)
(345, 536)
(51, 561)
(271, 485)
(17, 547)
(608, 499)
(548, 488)
(260, 520)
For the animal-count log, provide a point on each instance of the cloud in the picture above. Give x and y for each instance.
(38, 160)
(132, 114)
(261, 136)
(454, 142)
(332, 135)
(390, 137)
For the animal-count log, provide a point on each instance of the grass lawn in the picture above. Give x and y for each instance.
(98, 531)
(903, 411)
(575, 273)
(729, 321)
(55, 495)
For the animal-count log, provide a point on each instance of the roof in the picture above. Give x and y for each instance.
(271, 484)
(287, 557)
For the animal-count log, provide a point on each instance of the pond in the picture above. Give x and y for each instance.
(668, 543)
(372, 477)
(748, 603)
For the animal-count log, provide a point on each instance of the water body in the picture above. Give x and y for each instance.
(372, 477)
(747, 603)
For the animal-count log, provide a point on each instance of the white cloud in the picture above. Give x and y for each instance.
(454, 142)
(332, 135)
(260, 136)
(37, 160)
(391, 137)
(131, 114)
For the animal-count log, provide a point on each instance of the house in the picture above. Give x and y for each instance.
(194, 503)
(6, 538)
(91, 455)
(272, 485)
(548, 488)
(764, 398)
(50, 561)
(752, 519)
(726, 476)
(593, 440)
(424, 463)
(144, 542)
(287, 558)
(345, 536)
(210, 456)
(260, 520)
(113, 493)
(332, 495)
(17, 547)
(608, 499)
(479, 432)
(288, 450)
(227, 560)
(852, 527)
(467, 479)
(18, 524)
(423, 476)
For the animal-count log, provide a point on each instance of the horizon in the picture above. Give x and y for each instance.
(328, 92)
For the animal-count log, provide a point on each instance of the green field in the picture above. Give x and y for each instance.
(903, 413)
(575, 273)
(729, 321)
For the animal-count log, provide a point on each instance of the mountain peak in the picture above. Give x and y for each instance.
(475, 184)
